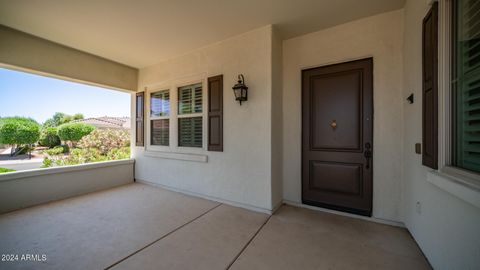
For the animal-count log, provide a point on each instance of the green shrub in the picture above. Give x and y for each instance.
(65, 147)
(47, 162)
(57, 150)
(106, 140)
(119, 153)
(73, 132)
(85, 155)
(76, 156)
(19, 131)
(5, 170)
(49, 137)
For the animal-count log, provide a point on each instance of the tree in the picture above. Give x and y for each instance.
(55, 121)
(60, 118)
(20, 132)
(49, 137)
(73, 132)
(78, 116)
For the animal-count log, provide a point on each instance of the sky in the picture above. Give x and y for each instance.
(39, 97)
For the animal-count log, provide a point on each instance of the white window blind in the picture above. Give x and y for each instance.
(159, 113)
(467, 84)
(190, 99)
(190, 121)
(190, 131)
(160, 132)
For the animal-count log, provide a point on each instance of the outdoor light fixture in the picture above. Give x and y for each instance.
(240, 90)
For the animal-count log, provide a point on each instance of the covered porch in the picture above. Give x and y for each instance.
(138, 226)
(265, 135)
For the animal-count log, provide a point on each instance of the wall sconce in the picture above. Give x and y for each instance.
(240, 90)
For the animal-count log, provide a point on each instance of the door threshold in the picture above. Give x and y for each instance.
(320, 209)
(365, 213)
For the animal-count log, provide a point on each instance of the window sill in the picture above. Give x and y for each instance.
(177, 156)
(457, 184)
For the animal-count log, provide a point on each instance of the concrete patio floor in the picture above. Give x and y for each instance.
(143, 227)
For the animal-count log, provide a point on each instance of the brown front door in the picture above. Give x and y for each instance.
(337, 127)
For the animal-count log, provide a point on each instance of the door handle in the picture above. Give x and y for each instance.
(368, 154)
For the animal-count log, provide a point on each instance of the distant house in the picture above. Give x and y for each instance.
(105, 122)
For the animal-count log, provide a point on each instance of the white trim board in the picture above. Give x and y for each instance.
(206, 197)
(371, 219)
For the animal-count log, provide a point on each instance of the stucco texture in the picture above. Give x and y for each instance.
(379, 37)
(444, 226)
(242, 172)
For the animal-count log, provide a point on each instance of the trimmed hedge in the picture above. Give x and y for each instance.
(57, 150)
(74, 131)
(49, 137)
(19, 130)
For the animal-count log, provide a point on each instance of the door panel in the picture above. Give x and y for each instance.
(336, 177)
(341, 91)
(337, 128)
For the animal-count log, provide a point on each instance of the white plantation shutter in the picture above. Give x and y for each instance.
(159, 113)
(190, 99)
(184, 100)
(190, 123)
(190, 131)
(467, 71)
(160, 132)
(197, 99)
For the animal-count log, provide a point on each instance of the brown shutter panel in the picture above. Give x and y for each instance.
(139, 119)
(215, 113)
(430, 88)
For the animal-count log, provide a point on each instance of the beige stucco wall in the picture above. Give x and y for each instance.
(379, 37)
(241, 174)
(445, 226)
(22, 51)
(277, 119)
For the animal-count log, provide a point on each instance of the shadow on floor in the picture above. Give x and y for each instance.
(138, 226)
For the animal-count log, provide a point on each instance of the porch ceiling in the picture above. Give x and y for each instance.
(145, 32)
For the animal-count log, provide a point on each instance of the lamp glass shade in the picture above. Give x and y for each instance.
(240, 90)
(238, 93)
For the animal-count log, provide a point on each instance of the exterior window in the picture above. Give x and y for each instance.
(190, 109)
(160, 103)
(159, 118)
(466, 84)
(160, 132)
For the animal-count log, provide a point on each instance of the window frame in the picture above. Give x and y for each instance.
(173, 86)
(153, 118)
(191, 115)
(150, 108)
(446, 113)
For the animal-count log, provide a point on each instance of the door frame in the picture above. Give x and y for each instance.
(324, 205)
